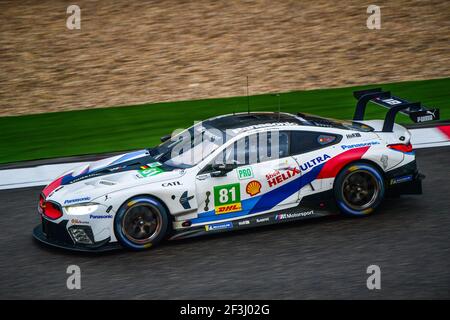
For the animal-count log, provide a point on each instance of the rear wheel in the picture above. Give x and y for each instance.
(359, 189)
(141, 223)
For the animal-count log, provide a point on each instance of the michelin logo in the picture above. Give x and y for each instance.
(358, 145)
(401, 179)
(219, 226)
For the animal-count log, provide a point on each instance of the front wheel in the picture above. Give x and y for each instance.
(141, 223)
(359, 189)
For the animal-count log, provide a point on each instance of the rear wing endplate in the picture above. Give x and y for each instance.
(416, 111)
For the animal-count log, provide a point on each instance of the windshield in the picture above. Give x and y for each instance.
(189, 147)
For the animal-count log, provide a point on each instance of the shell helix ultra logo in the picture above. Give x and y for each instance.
(227, 198)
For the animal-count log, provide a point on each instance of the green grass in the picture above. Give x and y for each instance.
(130, 127)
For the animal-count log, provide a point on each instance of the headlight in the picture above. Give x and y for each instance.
(81, 209)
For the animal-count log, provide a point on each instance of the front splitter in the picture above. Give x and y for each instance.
(39, 235)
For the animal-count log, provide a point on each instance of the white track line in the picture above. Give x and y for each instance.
(34, 176)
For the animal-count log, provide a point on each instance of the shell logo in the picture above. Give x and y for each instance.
(253, 188)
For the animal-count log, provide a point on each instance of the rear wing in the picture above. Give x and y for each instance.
(416, 111)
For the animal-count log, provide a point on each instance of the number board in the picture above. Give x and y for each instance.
(227, 198)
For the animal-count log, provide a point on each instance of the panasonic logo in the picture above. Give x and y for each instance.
(77, 200)
(358, 145)
(106, 216)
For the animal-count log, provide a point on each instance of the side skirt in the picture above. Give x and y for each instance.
(306, 210)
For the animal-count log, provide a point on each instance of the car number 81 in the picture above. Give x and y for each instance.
(227, 194)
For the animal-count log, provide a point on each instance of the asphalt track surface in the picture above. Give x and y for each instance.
(325, 258)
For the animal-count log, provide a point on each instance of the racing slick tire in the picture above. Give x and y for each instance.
(141, 223)
(359, 189)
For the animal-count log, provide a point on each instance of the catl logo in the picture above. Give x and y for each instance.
(278, 177)
(172, 184)
(228, 208)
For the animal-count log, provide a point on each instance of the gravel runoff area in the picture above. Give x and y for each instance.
(130, 52)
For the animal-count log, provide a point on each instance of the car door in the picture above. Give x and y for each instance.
(261, 181)
(312, 150)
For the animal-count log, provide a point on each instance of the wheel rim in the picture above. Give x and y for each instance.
(141, 223)
(360, 189)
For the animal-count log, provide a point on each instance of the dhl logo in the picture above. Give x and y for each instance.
(229, 208)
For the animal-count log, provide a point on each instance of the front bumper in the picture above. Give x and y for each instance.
(56, 235)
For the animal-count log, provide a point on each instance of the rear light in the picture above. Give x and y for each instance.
(401, 147)
(51, 211)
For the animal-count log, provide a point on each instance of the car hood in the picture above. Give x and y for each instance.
(87, 182)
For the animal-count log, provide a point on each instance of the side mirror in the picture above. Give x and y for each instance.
(165, 138)
(221, 169)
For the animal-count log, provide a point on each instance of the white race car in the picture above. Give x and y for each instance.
(235, 171)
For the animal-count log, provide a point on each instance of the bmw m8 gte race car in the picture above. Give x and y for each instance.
(232, 172)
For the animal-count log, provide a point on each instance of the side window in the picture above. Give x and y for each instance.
(241, 152)
(284, 144)
(273, 145)
(255, 148)
(306, 141)
(245, 151)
